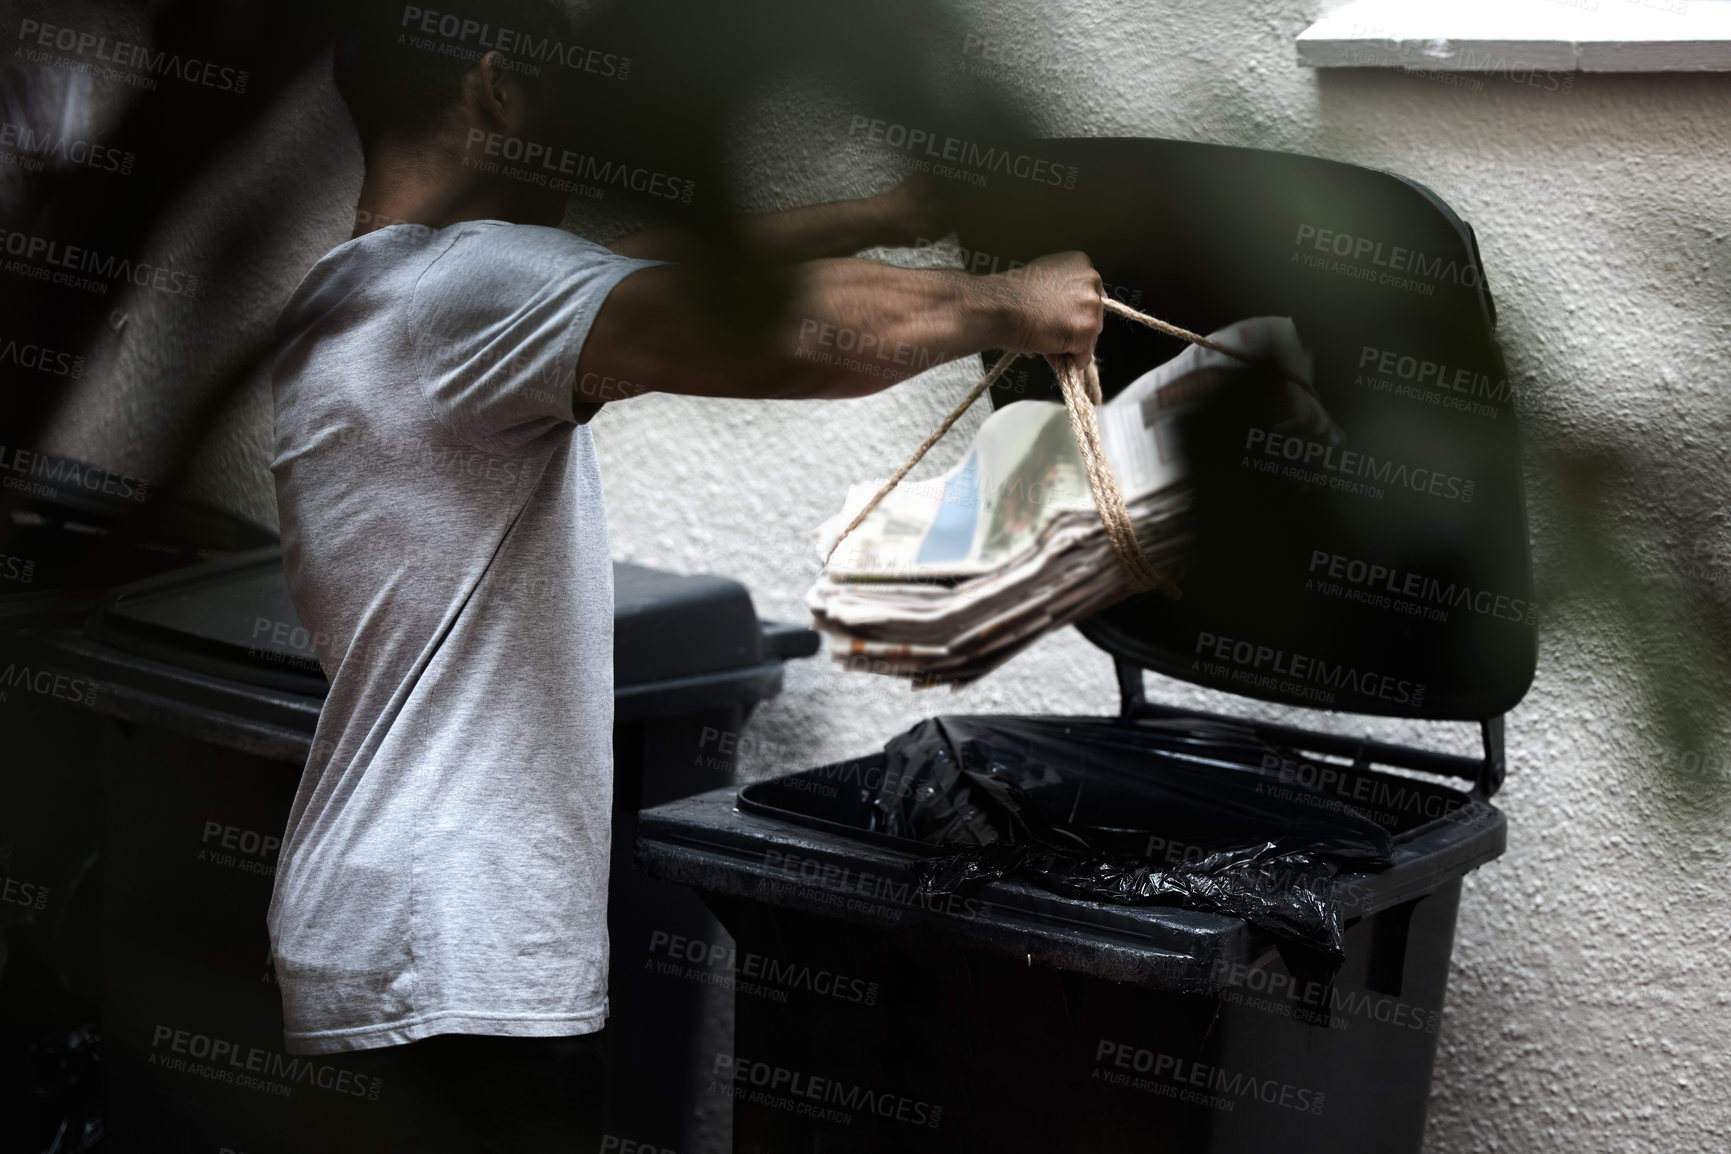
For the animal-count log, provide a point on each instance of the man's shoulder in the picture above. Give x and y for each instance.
(503, 243)
(359, 269)
(485, 271)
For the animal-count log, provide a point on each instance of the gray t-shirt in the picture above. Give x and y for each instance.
(445, 864)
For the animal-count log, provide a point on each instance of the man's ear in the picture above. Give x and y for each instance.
(495, 95)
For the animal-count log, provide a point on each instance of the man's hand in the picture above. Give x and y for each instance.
(1061, 305)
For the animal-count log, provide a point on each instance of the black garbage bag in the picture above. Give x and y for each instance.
(1181, 813)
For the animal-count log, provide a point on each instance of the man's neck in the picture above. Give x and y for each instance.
(423, 184)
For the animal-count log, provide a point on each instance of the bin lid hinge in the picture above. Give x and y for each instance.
(1496, 764)
(1486, 774)
(1132, 695)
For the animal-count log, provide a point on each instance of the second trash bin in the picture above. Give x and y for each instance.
(207, 698)
(68, 530)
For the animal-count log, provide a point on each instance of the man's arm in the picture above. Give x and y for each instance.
(852, 327)
(900, 216)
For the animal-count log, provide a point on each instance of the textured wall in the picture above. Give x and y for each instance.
(1590, 987)
(1590, 992)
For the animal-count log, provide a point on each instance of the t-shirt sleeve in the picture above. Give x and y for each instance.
(500, 319)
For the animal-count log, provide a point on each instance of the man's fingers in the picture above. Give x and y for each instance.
(1063, 304)
(1089, 333)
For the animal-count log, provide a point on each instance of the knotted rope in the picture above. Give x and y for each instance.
(1081, 387)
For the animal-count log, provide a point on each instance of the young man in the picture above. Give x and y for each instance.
(441, 905)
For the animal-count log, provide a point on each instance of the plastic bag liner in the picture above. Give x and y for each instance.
(1179, 813)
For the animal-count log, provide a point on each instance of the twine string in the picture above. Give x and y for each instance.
(1080, 383)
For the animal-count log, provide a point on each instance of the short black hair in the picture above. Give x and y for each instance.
(400, 66)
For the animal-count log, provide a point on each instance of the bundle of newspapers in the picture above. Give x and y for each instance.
(948, 578)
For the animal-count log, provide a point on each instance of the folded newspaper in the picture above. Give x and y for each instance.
(948, 578)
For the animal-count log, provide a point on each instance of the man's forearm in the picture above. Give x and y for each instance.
(856, 327)
(851, 327)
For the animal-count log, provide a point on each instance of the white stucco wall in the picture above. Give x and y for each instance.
(1592, 976)
(1591, 993)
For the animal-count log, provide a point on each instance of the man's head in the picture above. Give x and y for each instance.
(444, 83)
(401, 67)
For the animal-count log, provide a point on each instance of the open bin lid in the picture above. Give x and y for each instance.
(1387, 576)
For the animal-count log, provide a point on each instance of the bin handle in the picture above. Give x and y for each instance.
(1486, 774)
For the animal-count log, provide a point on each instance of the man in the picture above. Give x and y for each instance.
(440, 908)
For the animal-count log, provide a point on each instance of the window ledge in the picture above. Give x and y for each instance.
(1495, 35)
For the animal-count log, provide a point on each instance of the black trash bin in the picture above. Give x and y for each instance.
(207, 695)
(68, 530)
(874, 1016)
(879, 1008)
